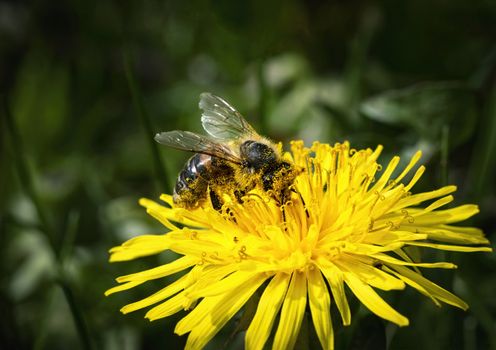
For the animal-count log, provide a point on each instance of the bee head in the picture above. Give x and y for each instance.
(257, 155)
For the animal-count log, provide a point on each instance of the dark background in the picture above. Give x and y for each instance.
(76, 150)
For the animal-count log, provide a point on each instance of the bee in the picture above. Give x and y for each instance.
(232, 159)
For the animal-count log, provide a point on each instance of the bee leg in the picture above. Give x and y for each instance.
(215, 200)
(282, 201)
(303, 201)
(239, 195)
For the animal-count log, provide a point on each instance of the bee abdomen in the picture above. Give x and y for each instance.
(191, 184)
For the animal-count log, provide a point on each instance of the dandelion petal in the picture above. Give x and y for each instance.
(292, 312)
(268, 307)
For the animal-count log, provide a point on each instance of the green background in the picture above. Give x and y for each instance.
(85, 85)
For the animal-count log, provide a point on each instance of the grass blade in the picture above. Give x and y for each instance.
(146, 122)
(27, 183)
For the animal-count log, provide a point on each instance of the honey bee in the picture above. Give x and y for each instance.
(233, 159)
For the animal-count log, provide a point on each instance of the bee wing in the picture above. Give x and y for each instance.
(221, 120)
(191, 142)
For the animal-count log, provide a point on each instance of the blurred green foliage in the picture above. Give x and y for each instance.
(406, 74)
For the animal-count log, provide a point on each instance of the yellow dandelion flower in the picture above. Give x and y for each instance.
(344, 225)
